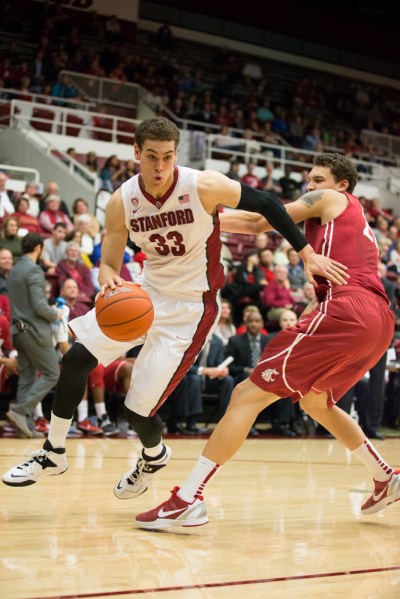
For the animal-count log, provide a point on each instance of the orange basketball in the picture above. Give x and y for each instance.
(124, 313)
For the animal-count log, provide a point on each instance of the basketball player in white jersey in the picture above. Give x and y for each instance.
(170, 212)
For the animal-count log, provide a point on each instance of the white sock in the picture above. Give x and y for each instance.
(201, 474)
(58, 430)
(83, 410)
(371, 459)
(154, 452)
(38, 411)
(100, 409)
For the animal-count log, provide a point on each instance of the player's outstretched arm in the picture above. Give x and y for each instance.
(266, 204)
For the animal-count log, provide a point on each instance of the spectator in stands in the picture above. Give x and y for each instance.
(7, 199)
(83, 227)
(233, 172)
(260, 241)
(264, 112)
(62, 88)
(246, 313)
(280, 123)
(303, 300)
(280, 253)
(246, 350)
(54, 248)
(70, 267)
(252, 72)
(290, 188)
(69, 290)
(249, 277)
(296, 131)
(296, 276)
(250, 178)
(276, 296)
(52, 188)
(394, 257)
(30, 194)
(225, 328)
(6, 265)
(283, 413)
(91, 163)
(53, 214)
(164, 37)
(206, 116)
(206, 376)
(111, 172)
(9, 237)
(79, 207)
(266, 264)
(312, 140)
(268, 182)
(112, 29)
(26, 221)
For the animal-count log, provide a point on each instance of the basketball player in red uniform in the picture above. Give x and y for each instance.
(330, 348)
(171, 213)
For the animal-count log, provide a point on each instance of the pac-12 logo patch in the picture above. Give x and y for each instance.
(135, 204)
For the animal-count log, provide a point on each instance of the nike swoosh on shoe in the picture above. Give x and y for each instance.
(162, 514)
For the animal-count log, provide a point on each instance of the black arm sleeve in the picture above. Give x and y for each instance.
(268, 205)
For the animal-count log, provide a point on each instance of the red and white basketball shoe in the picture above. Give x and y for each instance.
(384, 494)
(174, 512)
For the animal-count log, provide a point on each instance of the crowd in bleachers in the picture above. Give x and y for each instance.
(227, 89)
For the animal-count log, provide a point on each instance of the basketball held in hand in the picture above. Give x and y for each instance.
(124, 313)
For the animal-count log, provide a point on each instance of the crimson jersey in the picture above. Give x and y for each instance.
(348, 239)
(332, 347)
(180, 239)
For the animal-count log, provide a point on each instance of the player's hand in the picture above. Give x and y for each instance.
(111, 283)
(330, 269)
(316, 264)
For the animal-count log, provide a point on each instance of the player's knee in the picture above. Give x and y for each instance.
(78, 359)
(148, 428)
(313, 402)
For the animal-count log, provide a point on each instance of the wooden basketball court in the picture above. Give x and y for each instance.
(284, 522)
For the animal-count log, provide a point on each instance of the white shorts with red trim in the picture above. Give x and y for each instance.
(174, 340)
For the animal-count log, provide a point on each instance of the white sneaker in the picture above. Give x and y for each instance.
(45, 462)
(138, 480)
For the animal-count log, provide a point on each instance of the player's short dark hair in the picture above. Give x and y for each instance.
(30, 241)
(157, 128)
(340, 167)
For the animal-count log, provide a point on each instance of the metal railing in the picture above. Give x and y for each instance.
(103, 90)
(19, 176)
(67, 121)
(386, 147)
(21, 114)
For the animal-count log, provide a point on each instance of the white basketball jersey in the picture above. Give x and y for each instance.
(181, 240)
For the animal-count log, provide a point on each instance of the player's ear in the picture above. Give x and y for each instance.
(136, 152)
(343, 185)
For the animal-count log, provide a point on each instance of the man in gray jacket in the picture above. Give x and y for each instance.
(31, 330)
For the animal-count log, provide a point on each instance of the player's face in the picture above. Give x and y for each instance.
(320, 177)
(157, 161)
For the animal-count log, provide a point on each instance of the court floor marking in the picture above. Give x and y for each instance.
(211, 585)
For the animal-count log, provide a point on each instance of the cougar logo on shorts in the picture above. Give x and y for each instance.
(269, 375)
